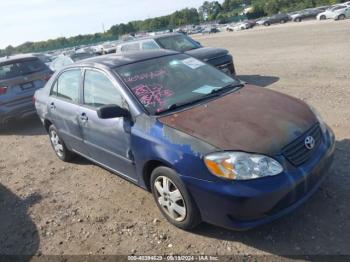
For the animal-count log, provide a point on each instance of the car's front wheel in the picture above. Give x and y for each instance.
(322, 17)
(341, 17)
(173, 199)
(58, 145)
(266, 24)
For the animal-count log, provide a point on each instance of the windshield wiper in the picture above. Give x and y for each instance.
(215, 92)
(225, 88)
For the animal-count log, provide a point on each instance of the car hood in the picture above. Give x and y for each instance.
(252, 119)
(207, 53)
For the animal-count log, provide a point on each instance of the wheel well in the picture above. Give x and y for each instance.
(148, 169)
(47, 124)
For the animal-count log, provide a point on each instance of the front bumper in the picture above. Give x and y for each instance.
(241, 205)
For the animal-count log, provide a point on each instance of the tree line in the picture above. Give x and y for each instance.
(208, 11)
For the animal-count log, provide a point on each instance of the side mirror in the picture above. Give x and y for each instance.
(112, 111)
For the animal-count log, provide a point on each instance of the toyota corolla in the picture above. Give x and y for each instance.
(208, 147)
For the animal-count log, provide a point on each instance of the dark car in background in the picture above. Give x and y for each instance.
(208, 148)
(307, 14)
(279, 18)
(20, 77)
(217, 57)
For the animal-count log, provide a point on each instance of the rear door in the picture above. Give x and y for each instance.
(108, 140)
(63, 106)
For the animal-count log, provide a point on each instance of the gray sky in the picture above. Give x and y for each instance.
(35, 20)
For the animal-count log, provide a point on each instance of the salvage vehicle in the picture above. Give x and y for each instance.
(307, 14)
(345, 13)
(207, 147)
(279, 18)
(20, 77)
(218, 57)
(332, 12)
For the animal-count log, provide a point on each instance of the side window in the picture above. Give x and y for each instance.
(149, 45)
(130, 47)
(67, 85)
(99, 90)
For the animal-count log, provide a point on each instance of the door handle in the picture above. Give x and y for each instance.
(52, 106)
(83, 117)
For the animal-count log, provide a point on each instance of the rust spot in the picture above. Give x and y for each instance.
(252, 120)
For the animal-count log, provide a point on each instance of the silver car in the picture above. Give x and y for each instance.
(20, 77)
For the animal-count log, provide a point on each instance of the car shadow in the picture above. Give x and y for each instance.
(321, 226)
(18, 233)
(259, 80)
(29, 126)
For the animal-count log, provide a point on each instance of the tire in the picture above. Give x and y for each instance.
(266, 24)
(323, 17)
(298, 20)
(341, 17)
(178, 208)
(58, 145)
(283, 21)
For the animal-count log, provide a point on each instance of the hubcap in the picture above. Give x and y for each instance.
(55, 140)
(170, 198)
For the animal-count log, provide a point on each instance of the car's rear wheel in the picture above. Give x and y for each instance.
(58, 145)
(173, 199)
(266, 24)
(341, 17)
(283, 21)
(298, 19)
(322, 17)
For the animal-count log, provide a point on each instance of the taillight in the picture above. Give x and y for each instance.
(47, 78)
(3, 90)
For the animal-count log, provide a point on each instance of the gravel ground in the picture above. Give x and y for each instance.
(51, 207)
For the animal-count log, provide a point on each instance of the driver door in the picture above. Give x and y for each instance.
(107, 140)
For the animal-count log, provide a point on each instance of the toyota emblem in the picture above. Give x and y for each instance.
(309, 142)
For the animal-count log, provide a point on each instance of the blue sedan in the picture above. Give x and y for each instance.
(208, 147)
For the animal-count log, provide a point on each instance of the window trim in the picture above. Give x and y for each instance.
(149, 40)
(109, 77)
(80, 85)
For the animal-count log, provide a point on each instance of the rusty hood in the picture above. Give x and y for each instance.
(252, 119)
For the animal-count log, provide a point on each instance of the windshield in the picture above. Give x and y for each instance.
(178, 43)
(161, 83)
(18, 68)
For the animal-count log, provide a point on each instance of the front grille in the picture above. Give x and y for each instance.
(297, 153)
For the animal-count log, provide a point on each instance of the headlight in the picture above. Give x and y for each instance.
(241, 166)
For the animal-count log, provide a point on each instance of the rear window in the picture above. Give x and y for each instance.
(19, 68)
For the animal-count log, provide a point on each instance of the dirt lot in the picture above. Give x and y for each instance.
(50, 207)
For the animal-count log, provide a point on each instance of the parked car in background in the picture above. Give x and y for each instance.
(240, 26)
(279, 18)
(20, 77)
(345, 13)
(207, 147)
(64, 60)
(47, 59)
(217, 57)
(332, 13)
(210, 30)
(306, 14)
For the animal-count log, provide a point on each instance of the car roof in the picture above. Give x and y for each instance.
(149, 37)
(115, 60)
(7, 59)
